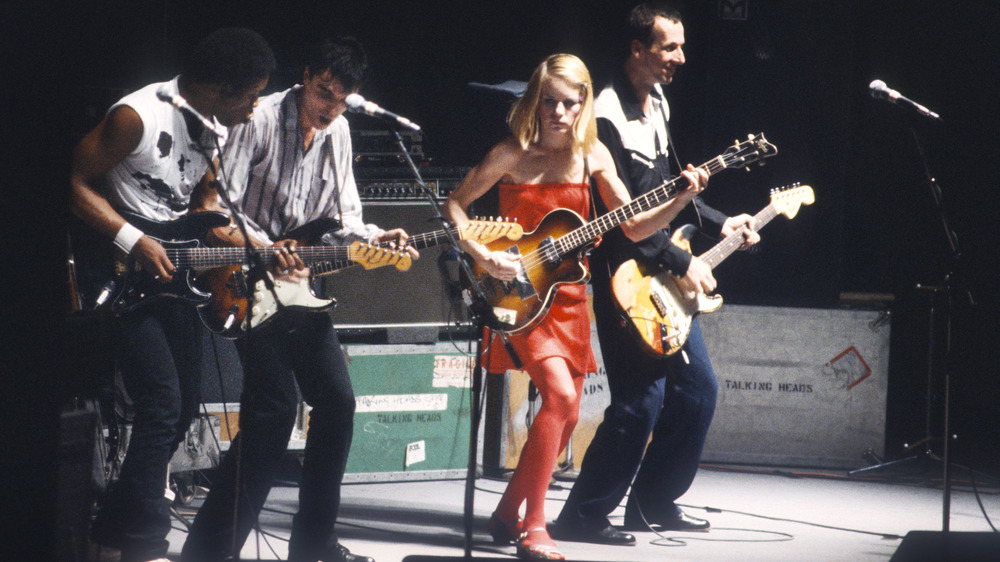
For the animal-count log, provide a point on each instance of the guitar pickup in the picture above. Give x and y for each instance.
(548, 250)
(658, 303)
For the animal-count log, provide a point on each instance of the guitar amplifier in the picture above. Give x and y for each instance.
(396, 183)
(414, 304)
(380, 147)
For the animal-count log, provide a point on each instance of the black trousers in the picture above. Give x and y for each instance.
(668, 403)
(295, 346)
(160, 353)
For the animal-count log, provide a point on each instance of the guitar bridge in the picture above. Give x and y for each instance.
(237, 283)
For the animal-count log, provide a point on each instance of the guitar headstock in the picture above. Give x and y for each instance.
(370, 257)
(486, 231)
(787, 200)
(754, 149)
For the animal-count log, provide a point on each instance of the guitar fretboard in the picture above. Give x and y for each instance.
(731, 243)
(429, 239)
(575, 239)
(783, 201)
(204, 257)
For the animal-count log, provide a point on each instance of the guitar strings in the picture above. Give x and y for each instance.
(540, 256)
(324, 258)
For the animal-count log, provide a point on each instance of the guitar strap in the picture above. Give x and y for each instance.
(671, 147)
(590, 185)
(336, 182)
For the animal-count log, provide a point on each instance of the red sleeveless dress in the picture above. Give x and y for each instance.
(565, 329)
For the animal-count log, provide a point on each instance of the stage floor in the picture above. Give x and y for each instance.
(757, 513)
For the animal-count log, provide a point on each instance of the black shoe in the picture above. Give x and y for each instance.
(341, 554)
(680, 522)
(608, 535)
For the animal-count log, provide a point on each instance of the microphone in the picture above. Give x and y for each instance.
(358, 104)
(180, 103)
(879, 90)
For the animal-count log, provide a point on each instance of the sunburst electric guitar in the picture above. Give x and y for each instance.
(552, 254)
(129, 286)
(655, 308)
(230, 286)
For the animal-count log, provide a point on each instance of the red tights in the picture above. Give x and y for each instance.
(560, 390)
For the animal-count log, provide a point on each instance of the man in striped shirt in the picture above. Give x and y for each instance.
(288, 166)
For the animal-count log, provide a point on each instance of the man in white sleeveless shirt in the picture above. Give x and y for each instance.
(150, 159)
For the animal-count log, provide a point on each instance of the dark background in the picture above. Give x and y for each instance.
(797, 71)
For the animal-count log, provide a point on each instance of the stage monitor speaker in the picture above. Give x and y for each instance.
(941, 546)
(425, 295)
(428, 558)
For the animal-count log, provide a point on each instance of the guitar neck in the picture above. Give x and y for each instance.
(205, 258)
(428, 239)
(586, 234)
(731, 243)
(329, 266)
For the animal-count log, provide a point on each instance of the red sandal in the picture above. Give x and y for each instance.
(544, 550)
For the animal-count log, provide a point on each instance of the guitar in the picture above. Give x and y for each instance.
(657, 311)
(552, 254)
(130, 286)
(226, 313)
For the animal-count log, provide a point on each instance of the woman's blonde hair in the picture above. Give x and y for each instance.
(523, 118)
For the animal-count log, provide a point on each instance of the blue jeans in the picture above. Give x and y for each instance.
(160, 354)
(666, 397)
(295, 346)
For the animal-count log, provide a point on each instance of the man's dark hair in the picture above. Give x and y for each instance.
(641, 19)
(234, 56)
(344, 57)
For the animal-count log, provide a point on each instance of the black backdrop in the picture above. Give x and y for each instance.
(798, 71)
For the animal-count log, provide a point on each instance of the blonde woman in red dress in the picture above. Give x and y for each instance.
(550, 161)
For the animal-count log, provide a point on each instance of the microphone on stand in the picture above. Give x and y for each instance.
(879, 90)
(358, 104)
(180, 103)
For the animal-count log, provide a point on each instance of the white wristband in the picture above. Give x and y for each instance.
(127, 237)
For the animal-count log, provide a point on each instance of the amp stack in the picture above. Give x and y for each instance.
(409, 306)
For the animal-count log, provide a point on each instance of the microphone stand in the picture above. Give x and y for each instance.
(256, 270)
(951, 288)
(484, 322)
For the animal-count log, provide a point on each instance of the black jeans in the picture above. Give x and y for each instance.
(669, 398)
(160, 353)
(295, 346)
